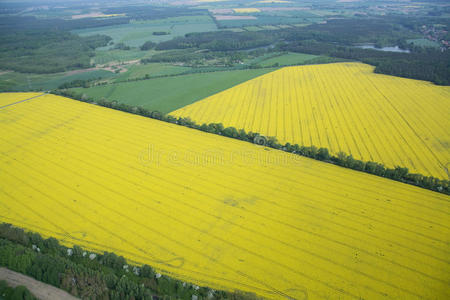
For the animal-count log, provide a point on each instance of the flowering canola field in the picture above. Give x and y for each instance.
(342, 107)
(10, 98)
(216, 211)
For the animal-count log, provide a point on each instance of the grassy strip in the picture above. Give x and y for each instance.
(341, 159)
(91, 275)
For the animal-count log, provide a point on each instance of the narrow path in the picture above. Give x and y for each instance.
(23, 100)
(39, 289)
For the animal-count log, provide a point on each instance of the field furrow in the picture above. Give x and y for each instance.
(215, 211)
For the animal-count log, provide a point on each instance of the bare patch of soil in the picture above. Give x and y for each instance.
(39, 289)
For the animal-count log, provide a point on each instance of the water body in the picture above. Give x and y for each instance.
(271, 46)
(388, 49)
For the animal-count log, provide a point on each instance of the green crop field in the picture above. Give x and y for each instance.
(152, 69)
(288, 59)
(260, 20)
(137, 33)
(14, 81)
(170, 93)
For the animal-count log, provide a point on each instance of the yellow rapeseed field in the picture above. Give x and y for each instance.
(216, 211)
(343, 107)
(10, 98)
(246, 10)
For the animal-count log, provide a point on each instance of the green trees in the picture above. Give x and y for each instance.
(17, 293)
(113, 261)
(107, 276)
(147, 271)
(47, 52)
(148, 46)
(322, 154)
(231, 132)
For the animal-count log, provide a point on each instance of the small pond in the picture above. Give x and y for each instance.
(388, 49)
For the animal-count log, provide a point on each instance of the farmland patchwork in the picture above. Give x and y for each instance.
(228, 214)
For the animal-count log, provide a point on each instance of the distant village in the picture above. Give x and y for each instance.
(437, 34)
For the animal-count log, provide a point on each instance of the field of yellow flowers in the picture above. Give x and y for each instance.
(11, 98)
(343, 107)
(216, 211)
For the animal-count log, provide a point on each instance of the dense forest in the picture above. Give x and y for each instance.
(223, 40)
(31, 45)
(39, 45)
(47, 51)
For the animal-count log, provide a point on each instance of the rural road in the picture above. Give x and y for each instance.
(39, 289)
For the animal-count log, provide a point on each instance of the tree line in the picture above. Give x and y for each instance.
(342, 159)
(90, 275)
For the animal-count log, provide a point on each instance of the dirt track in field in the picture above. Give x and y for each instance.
(39, 289)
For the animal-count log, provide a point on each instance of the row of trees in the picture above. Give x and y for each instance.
(90, 275)
(84, 83)
(342, 159)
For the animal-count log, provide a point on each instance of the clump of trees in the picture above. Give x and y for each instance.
(342, 159)
(18, 293)
(148, 46)
(91, 275)
(121, 46)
